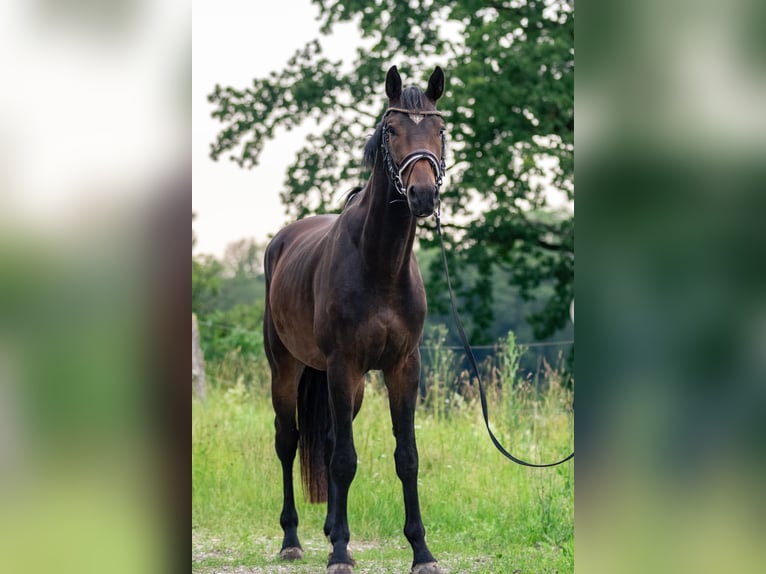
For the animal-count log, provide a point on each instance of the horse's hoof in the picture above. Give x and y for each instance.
(427, 568)
(291, 554)
(348, 553)
(340, 569)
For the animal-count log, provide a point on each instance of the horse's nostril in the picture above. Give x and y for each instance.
(423, 190)
(422, 200)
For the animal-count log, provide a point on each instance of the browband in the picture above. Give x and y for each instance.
(418, 112)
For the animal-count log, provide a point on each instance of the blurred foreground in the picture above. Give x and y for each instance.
(94, 206)
(671, 287)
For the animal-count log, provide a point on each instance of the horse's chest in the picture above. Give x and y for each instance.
(385, 327)
(378, 333)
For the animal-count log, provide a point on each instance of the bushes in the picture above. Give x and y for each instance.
(232, 341)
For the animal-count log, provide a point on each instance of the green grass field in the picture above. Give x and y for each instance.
(482, 513)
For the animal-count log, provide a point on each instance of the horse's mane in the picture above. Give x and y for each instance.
(412, 98)
(351, 194)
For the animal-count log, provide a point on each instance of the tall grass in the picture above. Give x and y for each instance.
(477, 507)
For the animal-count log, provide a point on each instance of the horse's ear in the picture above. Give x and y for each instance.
(435, 85)
(393, 84)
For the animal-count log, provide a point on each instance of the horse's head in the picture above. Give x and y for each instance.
(413, 141)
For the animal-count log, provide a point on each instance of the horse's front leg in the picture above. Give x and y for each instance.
(328, 450)
(402, 384)
(344, 382)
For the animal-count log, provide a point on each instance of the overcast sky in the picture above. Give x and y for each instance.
(234, 42)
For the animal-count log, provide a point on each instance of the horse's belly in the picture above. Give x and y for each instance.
(296, 330)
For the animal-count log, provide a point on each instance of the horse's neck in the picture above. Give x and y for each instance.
(388, 232)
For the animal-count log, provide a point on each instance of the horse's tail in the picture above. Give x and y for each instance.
(313, 427)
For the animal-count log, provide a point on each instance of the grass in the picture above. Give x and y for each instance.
(481, 512)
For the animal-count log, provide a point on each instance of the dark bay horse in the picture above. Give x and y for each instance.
(344, 296)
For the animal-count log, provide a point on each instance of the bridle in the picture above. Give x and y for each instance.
(396, 171)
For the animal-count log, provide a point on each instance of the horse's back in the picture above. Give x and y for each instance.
(304, 234)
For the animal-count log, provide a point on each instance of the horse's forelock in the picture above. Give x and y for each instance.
(413, 98)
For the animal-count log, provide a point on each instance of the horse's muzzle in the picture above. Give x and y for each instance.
(422, 200)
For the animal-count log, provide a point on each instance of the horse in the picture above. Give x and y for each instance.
(344, 296)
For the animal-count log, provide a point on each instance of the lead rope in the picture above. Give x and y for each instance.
(474, 364)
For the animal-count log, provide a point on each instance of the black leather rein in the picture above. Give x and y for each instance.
(475, 366)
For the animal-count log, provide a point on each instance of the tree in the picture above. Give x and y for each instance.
(244, 258)
(227, 298)
(510, 114)
(206, 279)
(244, 283)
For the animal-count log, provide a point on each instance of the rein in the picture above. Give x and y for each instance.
(475, 366)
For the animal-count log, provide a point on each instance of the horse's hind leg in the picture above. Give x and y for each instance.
(286, 443)
(402, 384)
(285, 374)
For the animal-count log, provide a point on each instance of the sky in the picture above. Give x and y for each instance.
(234, 42)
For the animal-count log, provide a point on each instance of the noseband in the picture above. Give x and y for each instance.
(395, 171)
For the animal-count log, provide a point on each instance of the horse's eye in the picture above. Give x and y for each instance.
(391, 131)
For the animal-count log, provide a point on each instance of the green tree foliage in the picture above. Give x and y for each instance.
(206, 279)
(237, 330)
(244, 258)
(244, 283)
(510, 113)
(206, 283)
(227, 296)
